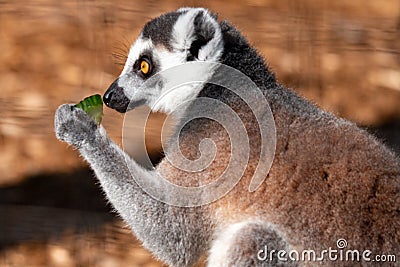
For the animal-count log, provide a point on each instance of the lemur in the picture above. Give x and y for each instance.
(329, 179)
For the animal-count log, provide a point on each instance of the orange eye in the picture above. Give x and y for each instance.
(145, 67)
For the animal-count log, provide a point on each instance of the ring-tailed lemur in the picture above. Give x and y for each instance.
(329, 179)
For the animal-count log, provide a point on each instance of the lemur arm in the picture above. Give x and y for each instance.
(172, 233)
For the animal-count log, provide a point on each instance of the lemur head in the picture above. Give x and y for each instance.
(188, 34)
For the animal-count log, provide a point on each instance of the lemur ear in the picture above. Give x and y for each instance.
(197, 32)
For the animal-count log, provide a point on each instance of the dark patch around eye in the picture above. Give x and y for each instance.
(148, 56)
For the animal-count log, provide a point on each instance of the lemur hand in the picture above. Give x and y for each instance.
(74, 126)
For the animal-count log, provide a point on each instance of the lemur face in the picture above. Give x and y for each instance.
(188, 34)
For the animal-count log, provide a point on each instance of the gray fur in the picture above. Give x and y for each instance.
(166, 23)
(252, 243)
(177, 236)
(329, 179)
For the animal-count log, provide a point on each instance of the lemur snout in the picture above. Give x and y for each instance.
(115, 98)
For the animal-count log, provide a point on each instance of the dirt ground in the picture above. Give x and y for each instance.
(342, 55)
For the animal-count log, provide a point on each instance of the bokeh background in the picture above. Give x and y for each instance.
(342, 55)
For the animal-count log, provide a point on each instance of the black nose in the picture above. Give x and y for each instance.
(115, 98)
(107, 97)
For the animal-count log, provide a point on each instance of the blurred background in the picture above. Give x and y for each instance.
(342, 55)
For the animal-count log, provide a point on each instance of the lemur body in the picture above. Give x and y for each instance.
(329, 179)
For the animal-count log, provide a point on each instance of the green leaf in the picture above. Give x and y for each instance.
(93, 106)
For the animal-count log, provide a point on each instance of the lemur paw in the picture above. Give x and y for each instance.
(74, 126)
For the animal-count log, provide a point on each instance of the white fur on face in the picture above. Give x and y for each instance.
(183, 35)
(135, 51)
(182, 84)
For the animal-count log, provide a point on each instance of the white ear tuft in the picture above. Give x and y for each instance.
(198, 34)
(183, 31)
(211, 51)
(184, 9)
